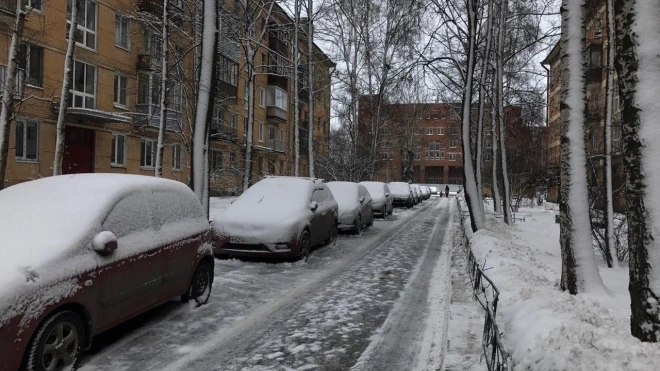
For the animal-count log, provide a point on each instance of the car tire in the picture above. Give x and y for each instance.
(305, 246)
(383, 212)
(391, 211)
(58, 343)
(333, 235)
(199, 289)
(357, 227)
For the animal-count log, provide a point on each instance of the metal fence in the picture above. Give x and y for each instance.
(487, 294)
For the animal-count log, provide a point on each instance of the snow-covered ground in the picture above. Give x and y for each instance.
(545, 328)
(368, 302)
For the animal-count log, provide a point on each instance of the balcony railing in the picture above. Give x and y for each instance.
(148, 61)
(276, 145)
(19, 83)
(276, 113)
(8, 7)
(149, 115)
(220, 130)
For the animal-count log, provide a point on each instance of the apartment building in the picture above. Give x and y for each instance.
(596, 44)
(114, 104)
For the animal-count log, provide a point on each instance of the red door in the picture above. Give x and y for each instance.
(78, 151)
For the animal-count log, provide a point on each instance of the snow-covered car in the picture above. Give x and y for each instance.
(401, 194)
(426, 192)
(417, 192)
(81, 254)
(354, 202)
(381, 198)
(434, 190)
(277, 217)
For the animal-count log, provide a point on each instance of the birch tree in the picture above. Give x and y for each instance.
(499, 81)
(205, 96)
(6, 111)
(579, 269)
(66, 86)
(637, 65)
(310, 83)
(162, 120)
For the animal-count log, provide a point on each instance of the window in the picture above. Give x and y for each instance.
(435, 115)
(232, 159)
(122, 32)
(262, 97)
(283, 135)
(121, 86)
(453, 130)
(27, 140)
(147, 153)
(453, 143)
(441, 131)
(595, 56)
(227, 70)
(129, 216)
(429, 131)
(85, 34)
(176, 156)
(271, 132)
(176, 98)
(277, 97)
(261, 131)
(216, 160)
(31, 60)
(37, 5)
(434, 150)
(234, 122)
(118, 151)
(82, 94)
(452, 157)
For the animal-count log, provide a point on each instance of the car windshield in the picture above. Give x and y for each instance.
(399, 187)
(274, 194)
(345, 193)
(375, 189)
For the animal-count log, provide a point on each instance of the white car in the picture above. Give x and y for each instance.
(277, 217)
(381, 197)
(401, 194)
(354, 202)
(434, 190)
(426, 192)
(417, 192)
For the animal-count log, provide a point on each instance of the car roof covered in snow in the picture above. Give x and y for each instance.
(45, 218)
(274, 194)
(399, 187)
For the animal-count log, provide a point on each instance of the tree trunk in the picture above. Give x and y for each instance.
(296, 88)
(158, 170)
(637, 69)
(7, 109)
(310, 82)
(204, 101)
(497, 201)
(66, 86)
(499, 62)
(579, 269)
(471, 194)
(249, 66)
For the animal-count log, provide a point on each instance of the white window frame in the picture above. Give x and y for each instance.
(453, 143)
(117, 89)
(122, 26)
(429, 131)
(24, 124)
(38, 9)
(83, 27)
(441, 131)
(83, 94)
(113, 161)
(144, 155)
(234, 121)
(452, 156)
(277, 97)
(176, 157)
(262, 97)
(261, 131)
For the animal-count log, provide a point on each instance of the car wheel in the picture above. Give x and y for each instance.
(409, 204)
(305, 246)
(357, 227)
(58, 344)
(200, 286)
(333, 235)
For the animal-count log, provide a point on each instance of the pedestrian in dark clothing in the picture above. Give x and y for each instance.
(447, 191)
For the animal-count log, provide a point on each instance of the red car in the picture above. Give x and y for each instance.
(277, 217)
(81, 254)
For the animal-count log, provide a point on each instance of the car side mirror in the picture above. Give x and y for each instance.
(313, 205)
(361, 199)
(387, 195)
(104, 242)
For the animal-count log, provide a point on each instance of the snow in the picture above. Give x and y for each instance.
(272, 210)
(46, 238)
(400, 189)
(547, 329)
(647, 29)
(346, 194)
(377, 192)
(103, 238)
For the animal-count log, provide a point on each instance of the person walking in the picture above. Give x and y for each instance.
(447, 191)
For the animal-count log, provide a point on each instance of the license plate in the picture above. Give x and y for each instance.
(241, 240)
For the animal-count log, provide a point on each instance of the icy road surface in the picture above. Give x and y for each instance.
(377, 301)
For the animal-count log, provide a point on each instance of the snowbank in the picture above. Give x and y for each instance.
(545, 328)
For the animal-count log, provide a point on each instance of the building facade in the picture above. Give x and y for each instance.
(114, 103)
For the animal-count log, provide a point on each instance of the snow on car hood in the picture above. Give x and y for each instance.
(273, 210)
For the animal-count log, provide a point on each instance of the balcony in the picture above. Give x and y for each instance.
(277, 145)
(7, 11)
(227, 91)
(222, 131)
(155, 7)
(274, 112)
(594, 75)
(149, 115)
(148, 62)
